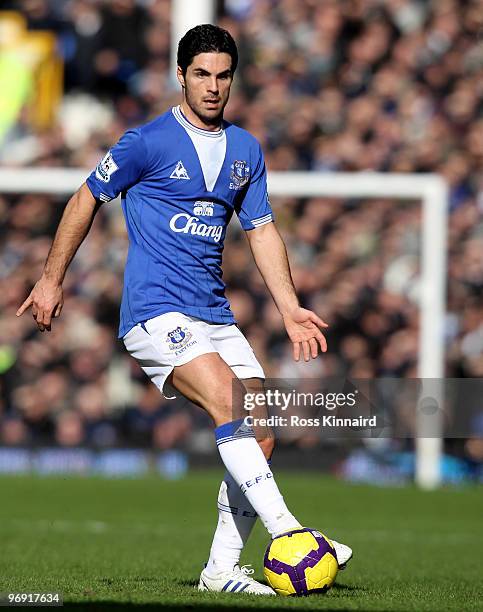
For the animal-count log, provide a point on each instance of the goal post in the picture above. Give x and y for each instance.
(431, 189)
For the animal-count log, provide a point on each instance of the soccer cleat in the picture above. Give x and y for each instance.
(235, 581)
(344, 554)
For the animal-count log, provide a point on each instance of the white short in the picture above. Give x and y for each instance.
(172, 339)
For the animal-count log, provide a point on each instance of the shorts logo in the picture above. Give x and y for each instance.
(106, 168)
(239, 175)
(179, 340)
(177, 335)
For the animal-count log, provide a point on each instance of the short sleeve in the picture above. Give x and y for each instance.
(120, 168)
(255, 209)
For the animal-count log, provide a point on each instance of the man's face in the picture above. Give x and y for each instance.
(207, 85)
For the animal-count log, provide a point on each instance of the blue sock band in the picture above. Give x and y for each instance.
(234, 430)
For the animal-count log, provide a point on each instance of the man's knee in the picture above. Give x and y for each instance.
(226, 400)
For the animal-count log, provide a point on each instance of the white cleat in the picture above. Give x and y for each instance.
(235, 581)
(344, 554)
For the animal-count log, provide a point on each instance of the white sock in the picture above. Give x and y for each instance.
(236, 519)
(245, 461)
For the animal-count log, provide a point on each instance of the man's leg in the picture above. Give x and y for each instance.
(209, 382)
(236, 516)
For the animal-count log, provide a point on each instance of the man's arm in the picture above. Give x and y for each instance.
(302, 325)
(46, 298)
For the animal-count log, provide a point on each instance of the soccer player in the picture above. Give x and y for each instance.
(181, 177)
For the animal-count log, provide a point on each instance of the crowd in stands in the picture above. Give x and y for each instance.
(346, 85)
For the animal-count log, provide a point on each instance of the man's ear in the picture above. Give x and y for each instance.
(180, 76)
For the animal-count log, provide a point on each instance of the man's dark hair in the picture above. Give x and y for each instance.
(206, 38)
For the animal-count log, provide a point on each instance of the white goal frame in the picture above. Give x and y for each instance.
(431, 189)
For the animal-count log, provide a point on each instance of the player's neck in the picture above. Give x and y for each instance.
(193, 118)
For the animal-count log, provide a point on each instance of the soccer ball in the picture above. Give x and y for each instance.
(300, 562)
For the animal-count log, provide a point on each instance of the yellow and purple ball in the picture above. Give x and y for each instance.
(300, 562)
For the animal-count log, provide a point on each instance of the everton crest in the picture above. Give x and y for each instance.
(239, 175)
(178, 335)
(179, 340)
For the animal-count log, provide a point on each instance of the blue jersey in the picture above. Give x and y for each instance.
(179, 186)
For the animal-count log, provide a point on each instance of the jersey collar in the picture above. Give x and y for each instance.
(181, 119)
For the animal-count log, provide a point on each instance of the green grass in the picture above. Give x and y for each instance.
(119, 544)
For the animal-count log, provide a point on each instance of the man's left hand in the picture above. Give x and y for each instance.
(303, 329)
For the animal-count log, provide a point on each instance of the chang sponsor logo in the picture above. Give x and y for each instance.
(183, 223)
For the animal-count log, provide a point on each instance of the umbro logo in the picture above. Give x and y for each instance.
(180, 172)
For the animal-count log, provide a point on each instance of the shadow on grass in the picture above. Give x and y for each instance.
(268, 604)
(347, 587)
(336, 587)
(111, 606)
(211, 604)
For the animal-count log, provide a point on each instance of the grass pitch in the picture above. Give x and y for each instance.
(140, 544)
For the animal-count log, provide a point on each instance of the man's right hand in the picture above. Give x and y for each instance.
(46, 299)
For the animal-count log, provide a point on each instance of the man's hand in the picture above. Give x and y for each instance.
(303, 330)
(46, 299)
